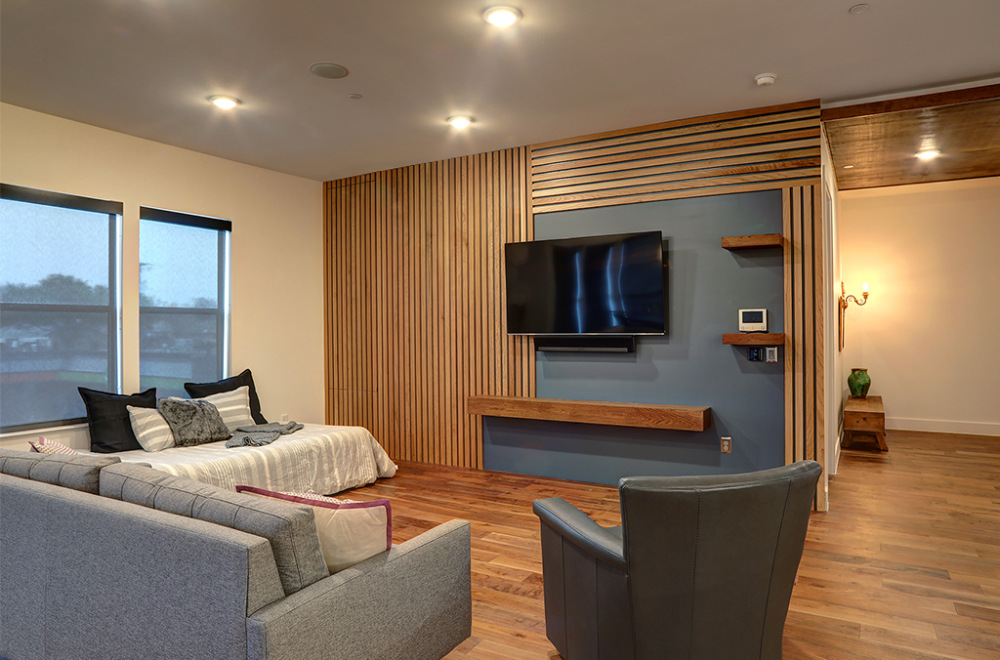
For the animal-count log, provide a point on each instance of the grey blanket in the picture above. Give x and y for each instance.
(261, 434)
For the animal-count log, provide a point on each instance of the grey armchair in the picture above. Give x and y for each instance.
(702, 567)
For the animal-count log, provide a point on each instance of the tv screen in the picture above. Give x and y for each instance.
(584, 286)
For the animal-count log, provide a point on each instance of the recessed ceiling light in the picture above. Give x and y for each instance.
(225, 102)
(502, 16)
(858, 9)
(460, 121)
(848, 167)
(328, 70)
(928, 154)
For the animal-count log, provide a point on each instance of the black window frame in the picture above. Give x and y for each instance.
(221, 311)
(115, 212)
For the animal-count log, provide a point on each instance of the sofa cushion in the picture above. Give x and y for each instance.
(349, 531)
(290, 529)
(76, 472)
(227, 385)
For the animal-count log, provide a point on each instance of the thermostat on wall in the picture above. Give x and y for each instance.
(753, 320)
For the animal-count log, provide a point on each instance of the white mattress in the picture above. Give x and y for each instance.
(317, 459)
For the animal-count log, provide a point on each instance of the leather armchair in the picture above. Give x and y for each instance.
(702, 567)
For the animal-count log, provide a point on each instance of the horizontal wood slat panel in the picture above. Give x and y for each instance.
(766, 147)
(650, 416)
(702, 160)
(690, 139)
(414, 295)
(787, 109)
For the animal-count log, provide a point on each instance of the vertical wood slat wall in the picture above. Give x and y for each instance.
(775, 148)
(414, 267)
(413, 290)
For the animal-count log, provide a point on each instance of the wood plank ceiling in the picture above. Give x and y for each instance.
(874, 144)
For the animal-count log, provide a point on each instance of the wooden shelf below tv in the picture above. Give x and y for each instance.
(638, 415)
(754, 338)
(752, 241)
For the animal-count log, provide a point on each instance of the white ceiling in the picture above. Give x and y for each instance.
(571, 67)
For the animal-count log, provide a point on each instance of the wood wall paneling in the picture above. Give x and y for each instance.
(414, 295)
(759, 149)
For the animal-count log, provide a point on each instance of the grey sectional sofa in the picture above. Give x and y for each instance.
(100, 559)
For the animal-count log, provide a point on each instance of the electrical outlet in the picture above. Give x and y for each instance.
(727, 445)
(772, 353)
(284, 418)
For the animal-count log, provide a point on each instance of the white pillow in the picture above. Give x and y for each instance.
(151, 430)
(349, 531)
(234, 406)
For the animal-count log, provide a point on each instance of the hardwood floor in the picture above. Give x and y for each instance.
(905, 565)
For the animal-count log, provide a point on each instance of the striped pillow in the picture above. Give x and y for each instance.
(46, 446)
(150, 429)
(234, 406)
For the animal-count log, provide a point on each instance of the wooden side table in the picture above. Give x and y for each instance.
(867, 415)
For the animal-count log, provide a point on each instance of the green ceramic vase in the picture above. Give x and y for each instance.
(858, 382)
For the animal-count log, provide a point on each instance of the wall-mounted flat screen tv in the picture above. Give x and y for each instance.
(595, 285)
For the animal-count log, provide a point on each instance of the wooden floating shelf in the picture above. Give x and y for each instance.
(753, 241)
(650, 416)
(754, 338)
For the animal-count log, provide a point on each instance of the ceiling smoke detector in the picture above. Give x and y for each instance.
(765, 79)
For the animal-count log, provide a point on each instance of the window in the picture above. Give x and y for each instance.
(183, 299)
(59, 304)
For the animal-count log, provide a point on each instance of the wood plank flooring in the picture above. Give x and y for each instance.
(905, 565)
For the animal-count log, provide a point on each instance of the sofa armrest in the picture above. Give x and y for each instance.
(414, 602)
(579, 529)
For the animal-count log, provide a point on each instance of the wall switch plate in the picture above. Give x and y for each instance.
(727, 445)
(772, 353)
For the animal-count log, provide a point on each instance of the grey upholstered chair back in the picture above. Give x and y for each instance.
(712, 560)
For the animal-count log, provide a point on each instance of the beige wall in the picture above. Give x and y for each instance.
(929, 333)
(277, 258)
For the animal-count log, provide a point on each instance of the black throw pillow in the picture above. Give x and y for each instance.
(107, 416)
(198, 390)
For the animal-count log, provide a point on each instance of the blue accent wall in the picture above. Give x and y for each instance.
(706, 286)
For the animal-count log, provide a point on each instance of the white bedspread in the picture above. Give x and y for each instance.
(317, 459)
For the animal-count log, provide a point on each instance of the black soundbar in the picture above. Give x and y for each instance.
(586, 344)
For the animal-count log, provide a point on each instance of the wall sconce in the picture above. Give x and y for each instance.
(844, 301)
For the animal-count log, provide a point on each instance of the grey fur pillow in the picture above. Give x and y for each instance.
(193, 422)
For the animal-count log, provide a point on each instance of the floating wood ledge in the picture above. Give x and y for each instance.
(752, 241)
(754, 338)
(639, 415)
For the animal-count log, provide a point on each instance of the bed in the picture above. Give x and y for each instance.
(317, 459)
